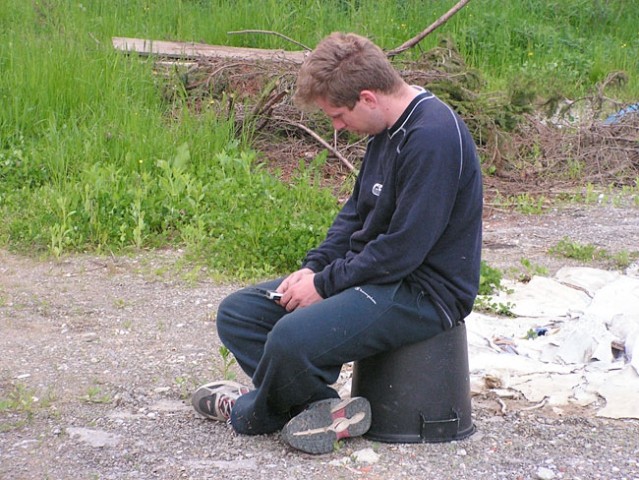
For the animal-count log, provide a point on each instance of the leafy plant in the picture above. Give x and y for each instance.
(489, 279)
(228, 360)
(21, 399)
(589, 253)
(184, 387)
(490, 283)
(96, 395)
(577, 251)
(624, 259)
(528, 270)
(528, 204)
(488, 305)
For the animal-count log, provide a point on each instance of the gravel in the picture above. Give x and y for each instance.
(101, 354)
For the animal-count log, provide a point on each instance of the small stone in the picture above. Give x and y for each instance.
(94, 438)
(544, 473)
(367, 455)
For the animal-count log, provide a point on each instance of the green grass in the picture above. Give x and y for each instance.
(560, 43)
(95, 394)
(588, 253)
(576, 43)
(523, 202)
(228, 361)
(94, 156)
(22, 403)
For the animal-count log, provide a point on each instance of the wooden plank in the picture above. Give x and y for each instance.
(190, 50)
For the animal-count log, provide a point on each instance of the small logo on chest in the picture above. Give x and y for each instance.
(377, 189)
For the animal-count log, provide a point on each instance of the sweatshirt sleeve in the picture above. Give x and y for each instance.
(337, 241)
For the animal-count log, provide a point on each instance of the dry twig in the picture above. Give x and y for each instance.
(536, 406)
(434, 26)
(323, 142)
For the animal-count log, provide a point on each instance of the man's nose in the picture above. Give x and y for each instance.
(338, 124)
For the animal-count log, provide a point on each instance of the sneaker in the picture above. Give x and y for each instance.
(215, 400)
(317, 428)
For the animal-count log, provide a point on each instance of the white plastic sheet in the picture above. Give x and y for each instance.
(589, 349)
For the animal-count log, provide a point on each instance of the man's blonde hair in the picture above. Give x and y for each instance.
(340, 67)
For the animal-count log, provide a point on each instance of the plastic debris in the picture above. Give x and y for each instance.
(618, 116)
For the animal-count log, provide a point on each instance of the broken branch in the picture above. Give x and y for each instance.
(323, 142)
(269, 32)
(439, 22)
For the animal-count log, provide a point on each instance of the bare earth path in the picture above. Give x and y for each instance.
(99, 357)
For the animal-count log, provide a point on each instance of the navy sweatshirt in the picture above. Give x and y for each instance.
(415, 213)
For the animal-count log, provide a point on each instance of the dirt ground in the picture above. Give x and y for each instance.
(100, 356)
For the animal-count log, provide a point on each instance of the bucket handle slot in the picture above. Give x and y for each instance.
(439, 430)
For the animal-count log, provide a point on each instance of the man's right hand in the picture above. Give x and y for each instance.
(299, 290)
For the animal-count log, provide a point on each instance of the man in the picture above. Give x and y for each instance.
(400, 263)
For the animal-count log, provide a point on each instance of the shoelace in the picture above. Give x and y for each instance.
(225, 405)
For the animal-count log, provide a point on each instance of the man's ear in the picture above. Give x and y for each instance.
(369, 98)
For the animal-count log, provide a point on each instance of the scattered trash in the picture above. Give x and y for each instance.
(616, 117)
(541, 331)
(560, 352)
(506, 344)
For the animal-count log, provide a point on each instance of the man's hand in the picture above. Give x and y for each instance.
(299, 290)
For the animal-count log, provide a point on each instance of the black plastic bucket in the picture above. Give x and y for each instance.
(419, 393)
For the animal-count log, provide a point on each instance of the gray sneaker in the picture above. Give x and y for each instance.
(216, 400)
(323, 423)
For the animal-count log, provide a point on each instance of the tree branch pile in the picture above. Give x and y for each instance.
(522, 149)
(545, 159)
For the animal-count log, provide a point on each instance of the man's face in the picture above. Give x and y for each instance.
(362, 119)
